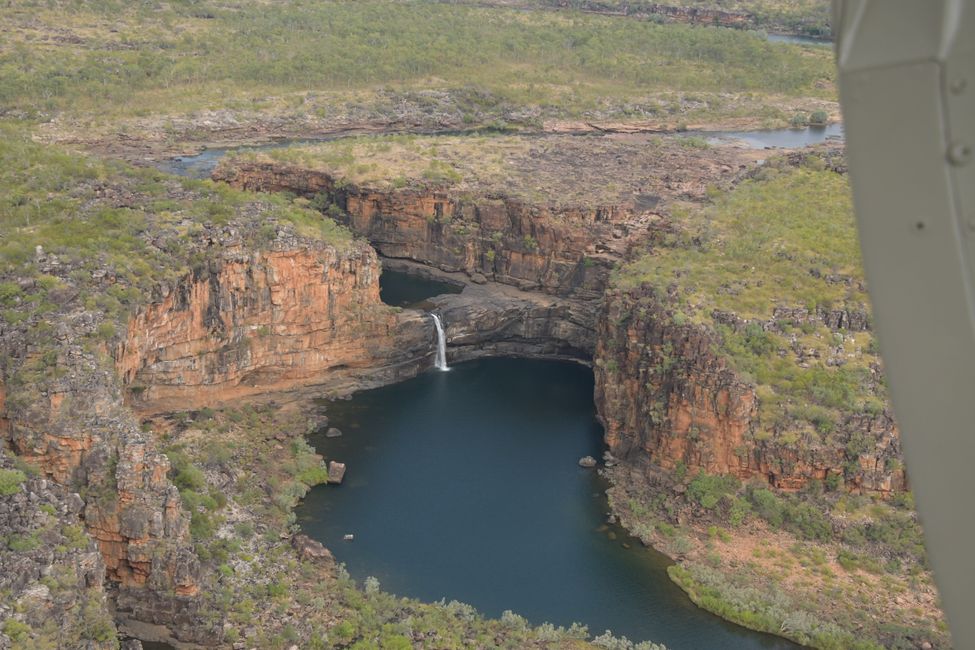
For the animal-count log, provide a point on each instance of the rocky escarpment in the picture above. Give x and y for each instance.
(562, 251)
(496, 320)
(251, 323)
(667, 397)
(72, 425)
(51, 573)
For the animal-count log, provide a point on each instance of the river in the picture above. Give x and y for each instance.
(201, 165)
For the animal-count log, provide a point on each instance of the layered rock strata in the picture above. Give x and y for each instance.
(75, 429)
(668, 398)
(557, 250)
(252, 323)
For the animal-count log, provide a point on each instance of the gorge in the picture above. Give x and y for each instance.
(223, 405)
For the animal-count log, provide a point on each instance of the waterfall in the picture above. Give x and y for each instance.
(441, 359)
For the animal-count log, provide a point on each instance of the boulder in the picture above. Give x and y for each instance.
(310, 549)
(336, 472)
(333, 433)
(587, 461)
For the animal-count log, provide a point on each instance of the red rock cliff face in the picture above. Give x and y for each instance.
(560, 251)
(302, 313)
(665, 397)
(258, 322)
(75, 427)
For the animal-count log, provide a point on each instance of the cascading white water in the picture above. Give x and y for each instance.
(440, 361)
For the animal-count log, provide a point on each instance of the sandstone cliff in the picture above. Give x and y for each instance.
(666, 396)
(259, 322)
(51, 573)
(74, 428)
(557, 250)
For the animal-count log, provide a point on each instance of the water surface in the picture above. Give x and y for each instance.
(201, 165)
(465, 485)
(782, 138)
(402, 289)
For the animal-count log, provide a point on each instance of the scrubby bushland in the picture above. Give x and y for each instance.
(125, 59)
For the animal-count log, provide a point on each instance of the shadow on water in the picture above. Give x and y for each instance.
(401, 289)
(466, 485)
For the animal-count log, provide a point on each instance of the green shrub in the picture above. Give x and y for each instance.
(106, 331)
(313, 476)
(708, 489)
(739, 511)
(768, 506)
(10, 481)
(17, 631)
(819, 118)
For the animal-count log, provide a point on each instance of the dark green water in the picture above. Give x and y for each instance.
(407, 290)
(465, 485)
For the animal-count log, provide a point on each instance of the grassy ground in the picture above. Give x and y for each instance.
(564, 170)
(785, 239)
(807, 17)
(99, 63)
(95, 215)
(828, 570)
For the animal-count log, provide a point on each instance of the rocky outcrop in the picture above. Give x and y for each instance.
(74, 427)
(497, 320)
(51, 573)
(666, 397)
(253, 323)
(557, 250)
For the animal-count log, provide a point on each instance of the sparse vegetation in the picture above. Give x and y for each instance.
(102, 61)
(10, 481)
(809, 17)
(783, 239)
(478, 166)
(763, 269)
(50, 204)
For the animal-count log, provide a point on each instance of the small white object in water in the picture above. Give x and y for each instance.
(349, 537)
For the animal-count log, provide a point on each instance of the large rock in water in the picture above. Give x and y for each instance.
(336, 472)
(587, 461)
